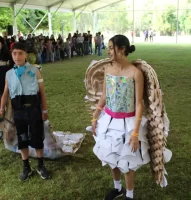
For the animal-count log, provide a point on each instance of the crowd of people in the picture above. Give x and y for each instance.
(51, 49)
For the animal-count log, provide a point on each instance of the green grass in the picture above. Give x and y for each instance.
(84, 178)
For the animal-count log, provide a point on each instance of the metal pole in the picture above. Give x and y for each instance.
(94, 23)
(58, 8)
(21, 7)
(133, 34)
(81, 12)
(26, 21)
(74, 20)
(14, 20)
(49, 22)
(177, 21)
(39, 23)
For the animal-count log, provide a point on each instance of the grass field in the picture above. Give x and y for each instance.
(84, 178)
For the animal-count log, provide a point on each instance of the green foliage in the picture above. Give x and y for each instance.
(185, 22)
(6, 17)
(62, 19)
(147, 20)
(33, 17)
(122, 25)
(84, 22)
(169, 21)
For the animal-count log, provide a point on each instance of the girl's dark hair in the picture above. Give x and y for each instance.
(20, 46)
(121, 42)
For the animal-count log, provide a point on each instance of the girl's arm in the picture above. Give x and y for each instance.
(139, 86)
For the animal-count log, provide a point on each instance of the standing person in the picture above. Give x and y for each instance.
(49, 50)
(54, 49)
(68, 48)
(120, 132)
(12, 42)
(74, 38)
(5, 65)
(60, 37)
(70, 44)
(86, 44)
(95, 42)
(25, 36)
(151, 35)
(80, 45)
(90, 45)
(99, 43)
(146, 35)
(103, 45)
(61, 46)
(132, 36)
(38, 50)
(43, 55)
(25, 86)
(30, 44)
(19, 34)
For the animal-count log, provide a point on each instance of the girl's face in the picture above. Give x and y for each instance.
(111, 51)
(115, 54)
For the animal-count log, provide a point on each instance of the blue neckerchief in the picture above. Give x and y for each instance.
(19, 71)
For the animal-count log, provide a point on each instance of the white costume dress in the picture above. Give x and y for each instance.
(116, 124)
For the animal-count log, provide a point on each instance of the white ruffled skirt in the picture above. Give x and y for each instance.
(112, 137)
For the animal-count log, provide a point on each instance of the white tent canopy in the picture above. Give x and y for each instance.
(52, 6)
(70, 5)
(58, 5)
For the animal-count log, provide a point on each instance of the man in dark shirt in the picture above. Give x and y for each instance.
(99, 42)
(86, 44)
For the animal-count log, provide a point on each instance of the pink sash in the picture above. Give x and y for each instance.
(119, 115)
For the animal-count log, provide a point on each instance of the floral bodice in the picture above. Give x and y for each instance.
(120, 93)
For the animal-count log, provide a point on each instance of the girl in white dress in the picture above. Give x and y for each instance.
(120, 129)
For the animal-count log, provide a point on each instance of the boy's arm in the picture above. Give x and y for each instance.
(4, 97)
(42, 95)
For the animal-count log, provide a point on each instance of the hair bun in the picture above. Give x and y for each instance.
(131, 49)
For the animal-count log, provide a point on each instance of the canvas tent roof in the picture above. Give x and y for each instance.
(70, 5)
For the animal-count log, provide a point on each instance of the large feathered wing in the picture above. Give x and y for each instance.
(158, 122)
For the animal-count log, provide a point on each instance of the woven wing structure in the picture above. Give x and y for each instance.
(94, 79)
(158, 123)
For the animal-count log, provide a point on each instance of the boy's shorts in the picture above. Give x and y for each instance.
(30, 132)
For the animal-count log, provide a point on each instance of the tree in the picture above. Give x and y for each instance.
(167, 21)
(6, 17)
(185, 22)
(33, 17)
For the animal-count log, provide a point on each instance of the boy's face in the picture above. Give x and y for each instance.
(19, 57)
